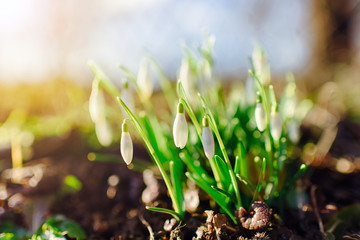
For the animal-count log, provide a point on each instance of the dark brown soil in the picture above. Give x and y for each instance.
(119, 214)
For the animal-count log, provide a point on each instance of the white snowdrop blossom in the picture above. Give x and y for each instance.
(126, 145)
(275, 126)
(260, 118)
(144, 81)
(96, 103)
(103, 132)
(180, 128)
(293, 131)
(208, 139)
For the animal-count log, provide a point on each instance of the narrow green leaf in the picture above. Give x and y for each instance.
(218, 197)
(176, 173)
(167, 211)
(223, 192)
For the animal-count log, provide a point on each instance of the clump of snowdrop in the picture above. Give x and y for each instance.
(180, 127)
(126, 145)
(207, 139)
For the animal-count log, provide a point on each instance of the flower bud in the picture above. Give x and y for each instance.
(126, 145)
(180, 128)
(207, 139)
(260, 118)
(275, 126)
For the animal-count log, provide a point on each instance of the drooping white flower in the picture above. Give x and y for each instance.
(103, 131)
(126, 145)
(144, 81)
(275, 126)
(260, 117)
(180, 128)
(96, 103)
(293, 131)
(208, 139)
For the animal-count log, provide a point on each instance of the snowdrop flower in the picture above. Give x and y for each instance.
(275, 126)
(144, 81)
(96, 103)
(103, 132)
(293, 131)
(207, 139)
(126, 145)
(180, 128)
(260, 117)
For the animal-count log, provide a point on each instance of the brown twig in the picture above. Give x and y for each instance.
(143, 221)
(316, 209)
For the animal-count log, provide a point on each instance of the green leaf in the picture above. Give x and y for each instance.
(59, 226)
(218, 197)
(346, 220)
(177, 173)
(167, 211)
(73, 183)
(224, 172)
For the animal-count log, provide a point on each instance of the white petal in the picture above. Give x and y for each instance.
(180, 130)
(103, 132)
(96, 105)
(275, 126)
(144, 81)
(293, 131)
(260, 117)
(126, 147)
(208, 142)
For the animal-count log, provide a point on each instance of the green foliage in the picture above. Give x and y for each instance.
(57, 227)
(250, 163)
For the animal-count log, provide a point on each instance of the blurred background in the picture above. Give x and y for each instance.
(44, 46)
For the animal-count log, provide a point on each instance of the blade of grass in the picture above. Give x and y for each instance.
(176, 173)
(167, 211)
